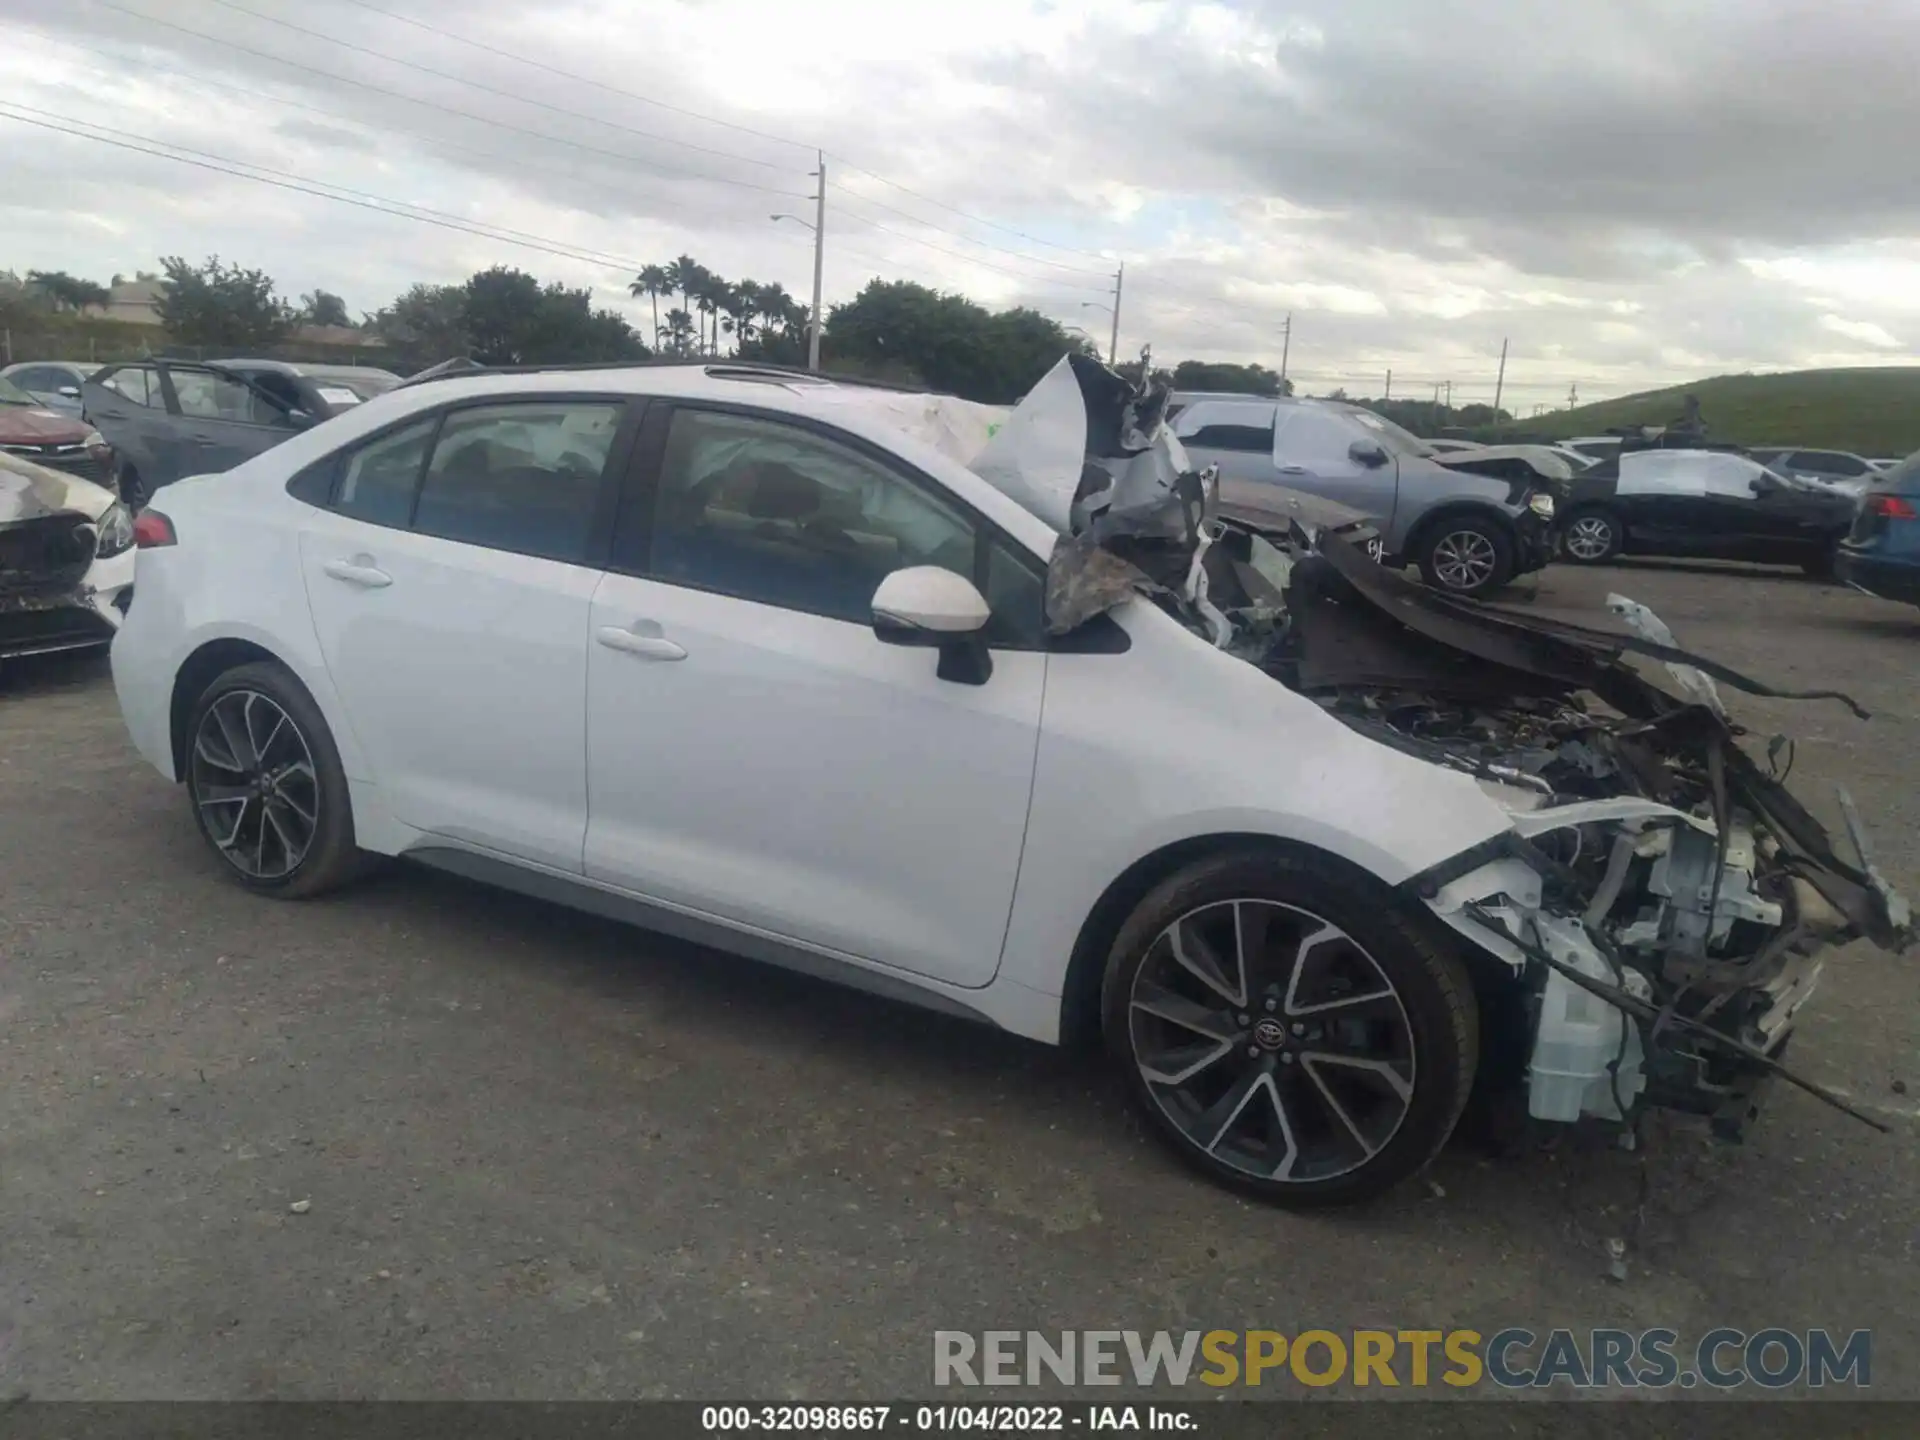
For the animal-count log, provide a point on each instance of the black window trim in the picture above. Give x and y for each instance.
(318, 482)
(642, 485)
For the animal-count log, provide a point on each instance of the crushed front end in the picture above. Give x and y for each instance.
(66, 561)
(1662, 905)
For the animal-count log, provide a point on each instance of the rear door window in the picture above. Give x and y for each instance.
(138, 383)
(378, 481)
(523, 477)
(209, 395)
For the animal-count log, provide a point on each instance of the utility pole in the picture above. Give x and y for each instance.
(1286, 345)
(1501, 383)
(1389, 394)
(1573, 395)
(819, 261)
(1113, 340)
(1449, 397)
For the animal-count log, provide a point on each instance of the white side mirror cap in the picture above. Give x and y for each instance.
(928, 598)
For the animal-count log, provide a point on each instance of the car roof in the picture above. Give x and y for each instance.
(849, 405)
(78, 367)
(319, 372)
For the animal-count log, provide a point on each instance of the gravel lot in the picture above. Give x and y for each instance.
(547, 1156)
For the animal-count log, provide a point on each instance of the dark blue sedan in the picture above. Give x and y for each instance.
(1881, 554)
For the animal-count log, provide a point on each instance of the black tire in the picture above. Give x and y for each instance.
(1465, 555)
(329, 858)
(1421, 1030)
(1597, 532)
(133, 490)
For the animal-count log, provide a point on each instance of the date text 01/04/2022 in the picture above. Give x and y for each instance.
(993, 1419)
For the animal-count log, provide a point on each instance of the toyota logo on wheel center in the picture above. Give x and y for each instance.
(1269, 1034)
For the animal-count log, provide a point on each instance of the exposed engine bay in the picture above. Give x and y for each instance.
(1662, 899)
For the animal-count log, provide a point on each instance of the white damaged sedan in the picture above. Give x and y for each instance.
(66, 560)
(1011, 715)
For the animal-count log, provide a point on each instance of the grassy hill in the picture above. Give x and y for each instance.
(1874, 411)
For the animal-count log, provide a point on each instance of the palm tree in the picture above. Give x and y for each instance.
(707, 295)
(743, 308)
(774, 305)
(679, 332)
(683, 275)
(653, 281)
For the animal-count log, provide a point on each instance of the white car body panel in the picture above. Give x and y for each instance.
(793, 774)
(464, 681)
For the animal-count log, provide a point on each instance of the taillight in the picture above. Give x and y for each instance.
(151, 528)
(1891, 507)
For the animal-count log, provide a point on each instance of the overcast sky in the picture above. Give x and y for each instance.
(1633, 192)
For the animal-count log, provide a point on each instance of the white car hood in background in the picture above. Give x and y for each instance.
(958, 429)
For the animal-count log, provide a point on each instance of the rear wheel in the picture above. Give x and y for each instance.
(267, 787)
(1591, 537)
(1466, 555)
(1287, 1031)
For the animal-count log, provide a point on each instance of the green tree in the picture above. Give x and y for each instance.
(949, 341)
(221, 306)
(1235, 379)
(428, 323)
(685, 275)
(512, 319)
(323, 307)
(67, 292)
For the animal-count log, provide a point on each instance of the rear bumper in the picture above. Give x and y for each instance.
(1877, 575)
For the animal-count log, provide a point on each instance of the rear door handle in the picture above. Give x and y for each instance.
(644, 640)
(1293, 469)
(359, 571)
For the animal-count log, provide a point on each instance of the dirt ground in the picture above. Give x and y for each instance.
(547, 1156)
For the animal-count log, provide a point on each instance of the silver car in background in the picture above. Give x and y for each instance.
(1468, 532)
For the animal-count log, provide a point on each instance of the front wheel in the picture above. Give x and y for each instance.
(1287, 1031)
(1467, 555)
(1591, 537)
(267, 787)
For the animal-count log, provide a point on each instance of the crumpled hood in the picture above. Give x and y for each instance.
(30, 492)
(30, 425)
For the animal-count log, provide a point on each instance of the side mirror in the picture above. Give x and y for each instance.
(300, 420)
(926, 605)
(72, 392)
(1367, 453)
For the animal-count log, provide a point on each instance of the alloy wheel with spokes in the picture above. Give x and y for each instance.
(1272, 1040)
(1590, 538)
(254, 783)
(1465, 560)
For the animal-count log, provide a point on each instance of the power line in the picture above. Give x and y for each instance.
(714, 120)
(985, 244)
(582, 79)
(321, 189)
(621, 156)
(970, 259)
(489, 89)
(990, 224)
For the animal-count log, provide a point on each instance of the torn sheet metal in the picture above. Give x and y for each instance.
(1649, 626)
(1036, 457)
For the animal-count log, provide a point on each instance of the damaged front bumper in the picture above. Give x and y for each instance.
(1665, 904)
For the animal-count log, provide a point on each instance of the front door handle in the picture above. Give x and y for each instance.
(359, 571)
(1293, 469)
(644, 640)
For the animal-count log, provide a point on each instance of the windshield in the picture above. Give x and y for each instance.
(1396, 440)
(350, 387)
(12, 394)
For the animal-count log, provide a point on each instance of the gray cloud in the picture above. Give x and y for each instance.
(1413, 182)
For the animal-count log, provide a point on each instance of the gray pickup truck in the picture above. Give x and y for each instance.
(1468, 532)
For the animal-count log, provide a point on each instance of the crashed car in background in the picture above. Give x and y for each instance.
(66, 560)
(1660, 908)
(1470, 520)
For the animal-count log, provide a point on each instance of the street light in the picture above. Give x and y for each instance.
(818, 226)
(1113, 344)
(795, 218)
